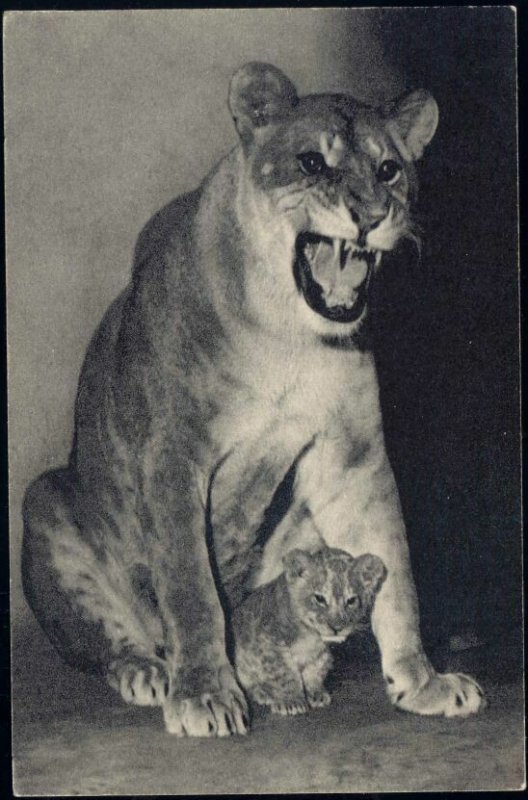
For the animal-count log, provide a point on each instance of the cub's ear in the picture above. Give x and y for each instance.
(258, 93)
(412, 121)
(372, 572)
(296, 563)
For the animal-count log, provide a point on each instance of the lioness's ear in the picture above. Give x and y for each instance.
(413, 120)
(372, 572)
(258, 93)
(296, 563)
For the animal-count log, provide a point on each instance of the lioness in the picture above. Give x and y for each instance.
(232, 359)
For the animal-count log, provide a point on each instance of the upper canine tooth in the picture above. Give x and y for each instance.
(311, 249)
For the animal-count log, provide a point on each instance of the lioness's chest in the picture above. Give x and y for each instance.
(283, 393)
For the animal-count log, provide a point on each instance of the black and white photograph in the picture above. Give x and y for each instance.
(264, 400)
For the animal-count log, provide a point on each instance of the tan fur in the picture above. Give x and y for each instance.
(223, 371)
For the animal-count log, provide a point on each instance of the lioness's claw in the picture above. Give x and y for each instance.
(140, 681)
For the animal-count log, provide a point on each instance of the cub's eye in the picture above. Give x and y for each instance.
(389, 171)
(352, 601)
(320, 599)
(312, 163)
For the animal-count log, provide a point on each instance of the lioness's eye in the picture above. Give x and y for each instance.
(352, 601)
(312, 163)
(320, 599)
(389, 171)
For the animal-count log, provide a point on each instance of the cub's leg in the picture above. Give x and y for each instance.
(354, 502)
(84, 598)
(313, 676)
(264, 673)
(279, 688)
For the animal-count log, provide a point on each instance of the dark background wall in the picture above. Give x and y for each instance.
(109, 115)
(448, 329)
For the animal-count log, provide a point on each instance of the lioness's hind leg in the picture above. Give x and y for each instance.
(85, 600)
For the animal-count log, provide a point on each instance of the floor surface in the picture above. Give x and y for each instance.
(73, 736)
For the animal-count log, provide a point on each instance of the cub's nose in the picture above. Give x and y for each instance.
(337, 625)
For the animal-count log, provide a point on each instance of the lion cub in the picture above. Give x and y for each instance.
(283, 628)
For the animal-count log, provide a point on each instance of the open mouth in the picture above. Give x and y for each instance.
(333, 275)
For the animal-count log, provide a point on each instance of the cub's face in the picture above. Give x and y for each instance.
(326, 189)
(331, 592)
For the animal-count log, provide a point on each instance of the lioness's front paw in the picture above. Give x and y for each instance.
(290, 708)
(318, 699)
(451, 695)
(219, 712)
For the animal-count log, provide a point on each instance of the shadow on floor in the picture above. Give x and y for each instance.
(73, 736)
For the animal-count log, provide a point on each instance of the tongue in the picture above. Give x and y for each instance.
(338, 275)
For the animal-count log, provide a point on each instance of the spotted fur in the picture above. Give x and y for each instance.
(283, 629)
(229, 368)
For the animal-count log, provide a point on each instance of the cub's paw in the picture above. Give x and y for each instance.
(140, 681)
(318, 699)
(262, 694)
(219, 712)
(451, 695)
(289, 708)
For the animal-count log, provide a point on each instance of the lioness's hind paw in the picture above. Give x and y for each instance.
(140, 681)
(450, 695)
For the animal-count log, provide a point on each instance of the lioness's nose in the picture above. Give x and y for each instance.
(367, 220)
